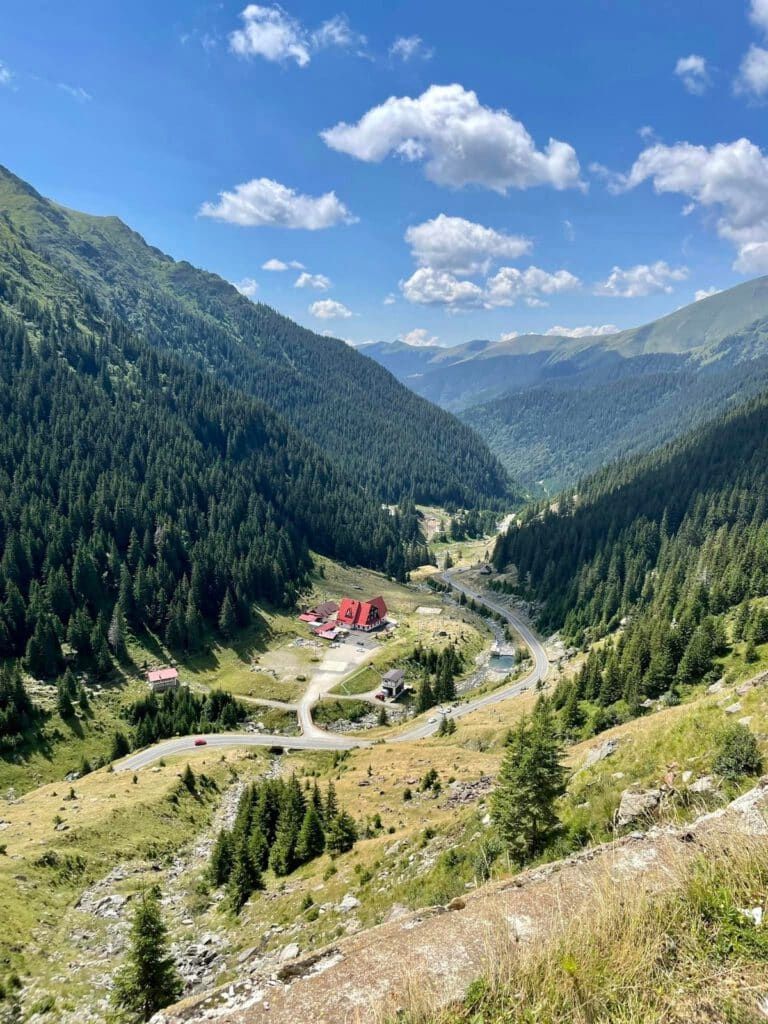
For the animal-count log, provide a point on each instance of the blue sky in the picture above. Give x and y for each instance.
(438, 172)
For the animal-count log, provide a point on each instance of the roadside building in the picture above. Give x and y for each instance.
(393, 683)
(163, 679)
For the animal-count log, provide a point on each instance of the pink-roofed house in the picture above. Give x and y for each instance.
(162, 679)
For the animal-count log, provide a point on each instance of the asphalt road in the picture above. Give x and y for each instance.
(317, 739)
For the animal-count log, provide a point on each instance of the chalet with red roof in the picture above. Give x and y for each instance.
(363, 615)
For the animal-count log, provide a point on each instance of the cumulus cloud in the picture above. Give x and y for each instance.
(510, 336)
(247, 287)
(318, 281)
(329, 309)
(509, 285)
(407, 48)
(581, 332)
(460, 246)
(5, 74)
(693, 73)
(430, 287)
(390, 300)
(459, 141)
(706, 293)
(266, 203)
(419, 337)
(758, 13)
(279, 265)
(731, 178)
(643, 279)
(272, 33)
(753, 72)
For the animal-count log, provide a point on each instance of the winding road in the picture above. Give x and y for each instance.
(315, 738)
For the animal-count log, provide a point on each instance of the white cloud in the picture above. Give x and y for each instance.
(753, 73)
(460, 246)
(318, 281)
(459, 141)
(390, 299)
(647, 133)
(693, 73)
(510, 336)
(5, 74)
(758, 13)
(266, 203)
(247, 287)
(731, 178)
(705, 293)
(430, 287)
(510, 285)
(337, 32)
(419, 337)
(643, 279)
(569, 231)
(280, 265)
(329, 309)
(407, 48)
(75, 91)
(272, 33)
(581, 332)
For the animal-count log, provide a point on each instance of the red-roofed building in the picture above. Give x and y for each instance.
(364, 615)
(162, 679)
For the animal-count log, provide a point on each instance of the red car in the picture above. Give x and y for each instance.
(200, 742)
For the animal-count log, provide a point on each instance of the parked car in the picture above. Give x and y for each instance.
(200, 742)
(431, 721)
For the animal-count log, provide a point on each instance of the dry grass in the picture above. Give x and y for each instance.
(684, 954)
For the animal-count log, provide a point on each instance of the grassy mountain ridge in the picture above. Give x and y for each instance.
(554, 408)
(406, 446)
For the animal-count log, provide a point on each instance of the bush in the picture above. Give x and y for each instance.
(738, 753)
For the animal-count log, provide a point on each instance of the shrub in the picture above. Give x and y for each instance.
(738, 753)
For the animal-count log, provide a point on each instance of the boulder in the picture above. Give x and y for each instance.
(289, 952)
(733, 709)
(600, 753)
(706, 784)
(348, 904)
(637, 804)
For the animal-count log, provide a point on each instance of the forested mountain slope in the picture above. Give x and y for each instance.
(385, 437)
(554, 408)
(137, 490)
(666, 545)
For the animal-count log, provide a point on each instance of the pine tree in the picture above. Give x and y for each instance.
(341, 834)
(148, 980)
(245, 876)
(228, 616)
(425, 698)
(311, 841)
(530, 780)
(220, 863)
(116, 633)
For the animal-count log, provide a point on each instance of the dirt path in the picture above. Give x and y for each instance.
(443, 950)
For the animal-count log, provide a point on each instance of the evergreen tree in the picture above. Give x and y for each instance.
(341, 834)
(531, 779)
(228, 617)
(220, 863)
(311, 841)
(148, 980)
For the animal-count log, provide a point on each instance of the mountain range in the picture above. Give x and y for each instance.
(555, 407)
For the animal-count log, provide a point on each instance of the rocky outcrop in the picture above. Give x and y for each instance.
(363, 978)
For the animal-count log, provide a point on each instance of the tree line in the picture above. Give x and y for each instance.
(277, 826)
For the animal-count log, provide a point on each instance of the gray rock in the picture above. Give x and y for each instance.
(600, 753)
(706, 784)
(636, 804)
(348, 904)
(734, 709)
(716, 687)
(289, 952)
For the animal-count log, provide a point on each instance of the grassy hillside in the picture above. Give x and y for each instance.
(555, 408)
(324, 388)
